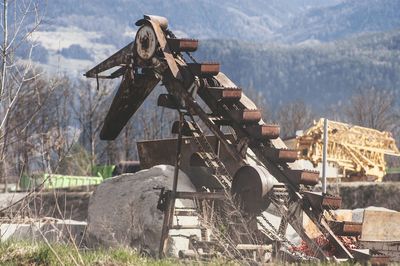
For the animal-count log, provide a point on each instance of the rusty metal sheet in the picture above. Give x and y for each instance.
(155, 152)
(331, 202)
(129, 98)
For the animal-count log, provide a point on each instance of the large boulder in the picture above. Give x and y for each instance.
(123, 211)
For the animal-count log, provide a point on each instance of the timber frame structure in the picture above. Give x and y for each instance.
(358, 151)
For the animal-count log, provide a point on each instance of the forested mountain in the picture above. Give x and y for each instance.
(254, 20)
(339, 21)
(307, 57)
(318, 51)
(318, 74)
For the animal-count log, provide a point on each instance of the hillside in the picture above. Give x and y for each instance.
(348, 18)
(247, 39)
(318, 74)
(195, 18)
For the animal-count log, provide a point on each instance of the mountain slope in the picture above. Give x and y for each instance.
(83, 33)
(254, 20)
(319, 74)
(345, 19)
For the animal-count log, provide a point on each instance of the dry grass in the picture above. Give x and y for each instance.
(23, 253)
(26, 253)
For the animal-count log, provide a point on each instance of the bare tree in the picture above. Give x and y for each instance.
(373, 108)
(38, 124)
(19, 20)
(90, 107)
(294, 116)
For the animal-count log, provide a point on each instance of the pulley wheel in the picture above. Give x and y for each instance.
(146, 42)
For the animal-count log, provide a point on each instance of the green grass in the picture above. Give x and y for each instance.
(27, 253)
(21, 253)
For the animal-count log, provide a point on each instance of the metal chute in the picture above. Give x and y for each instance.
(130, 95)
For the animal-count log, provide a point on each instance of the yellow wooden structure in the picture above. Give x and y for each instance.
(358, 151)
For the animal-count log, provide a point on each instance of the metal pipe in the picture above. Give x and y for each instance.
(324, 156)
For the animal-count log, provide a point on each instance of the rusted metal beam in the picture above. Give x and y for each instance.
(245, 116)
(182, 45)
(225, 94)
(204, 69)
(264, 131)
(305, 177)
(281, 155)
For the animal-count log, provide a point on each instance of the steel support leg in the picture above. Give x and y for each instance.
(170, 206)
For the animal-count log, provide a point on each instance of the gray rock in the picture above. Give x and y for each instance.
(123, 210)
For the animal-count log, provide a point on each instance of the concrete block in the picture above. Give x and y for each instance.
(381, 226)
(54, 231)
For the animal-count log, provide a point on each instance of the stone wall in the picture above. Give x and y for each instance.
(363, 194)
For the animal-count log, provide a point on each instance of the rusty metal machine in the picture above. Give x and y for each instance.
(357, 151)
(257, 167)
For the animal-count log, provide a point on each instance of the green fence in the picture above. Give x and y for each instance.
(58, 181)
(99, 172)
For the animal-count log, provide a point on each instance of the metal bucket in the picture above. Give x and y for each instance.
(250, 185)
